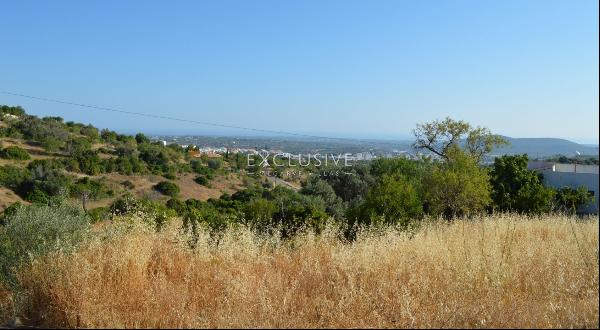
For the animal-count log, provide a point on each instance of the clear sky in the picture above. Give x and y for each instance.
(368, 68)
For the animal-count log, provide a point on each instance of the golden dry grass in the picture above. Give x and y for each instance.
(504, 271)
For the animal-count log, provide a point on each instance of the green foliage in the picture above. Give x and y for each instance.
(93, 189)
(202, 214)
(392, 201)
(90, 132)
(14, 152)
(9, 211)
(201, 169)
(141, 138)
(51, 144)
(170, 176)
(214, 164)
(41, 182)
(108, 136)
(316, 186)
(42, 185)
(440, 137)
(158, 157)
(126, 165)
(86, 161)
(457, 187)
(583, 160)
(167, 188)
(36, 129)
(258, 213)
(35, 230)
(570, 200)
(350, 184)
(15, 111)
(135, 155)
(393, 166)
(297, 212)
(75, 146)
(517, 189)
(12, 177)
(202, 180)
(99, 214)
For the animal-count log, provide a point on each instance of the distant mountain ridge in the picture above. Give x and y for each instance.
(545, 147)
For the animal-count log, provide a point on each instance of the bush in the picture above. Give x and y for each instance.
(15, 111)
(51, 144)
(517, 189)
(94, 189)
(214, 164)
(170, 176)
(12, 177)
(99, 214)
(43, 185)
(570, 200)
(392, 201)
(202, 180)
(167, 188)
(35, 230)
(14, 152)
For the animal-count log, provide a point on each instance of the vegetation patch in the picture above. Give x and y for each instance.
(167, 188)
(14, 152)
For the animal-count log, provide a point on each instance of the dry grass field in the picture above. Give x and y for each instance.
(502, 271)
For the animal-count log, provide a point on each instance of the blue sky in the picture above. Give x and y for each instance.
(336, 68)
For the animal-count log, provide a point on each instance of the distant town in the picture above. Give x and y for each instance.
(364, 149)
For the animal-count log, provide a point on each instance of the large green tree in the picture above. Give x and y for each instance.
(457, 187)
(517, 189)
(440, 137)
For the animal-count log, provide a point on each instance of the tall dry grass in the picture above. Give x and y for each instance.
(504, 271)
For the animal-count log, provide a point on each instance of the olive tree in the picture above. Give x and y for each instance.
(439, 137)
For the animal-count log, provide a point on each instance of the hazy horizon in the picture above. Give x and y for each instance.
(340, 135)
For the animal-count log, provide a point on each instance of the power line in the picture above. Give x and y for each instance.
(176, 119)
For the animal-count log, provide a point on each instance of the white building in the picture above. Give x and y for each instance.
(570, 175)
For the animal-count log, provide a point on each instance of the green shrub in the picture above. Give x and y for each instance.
(214, 164)
(94, 189)
(392, 201)
(167, 188)
(51, 144)
(14, 152)
(570, 200)
(202, 180)
(170, 176)
(15, 111)
(99, 214)
(12, 177)
(34, 230)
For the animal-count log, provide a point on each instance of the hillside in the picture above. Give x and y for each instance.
(46, 158)
(545, 147)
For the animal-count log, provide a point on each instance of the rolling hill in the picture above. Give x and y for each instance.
(545, 147)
